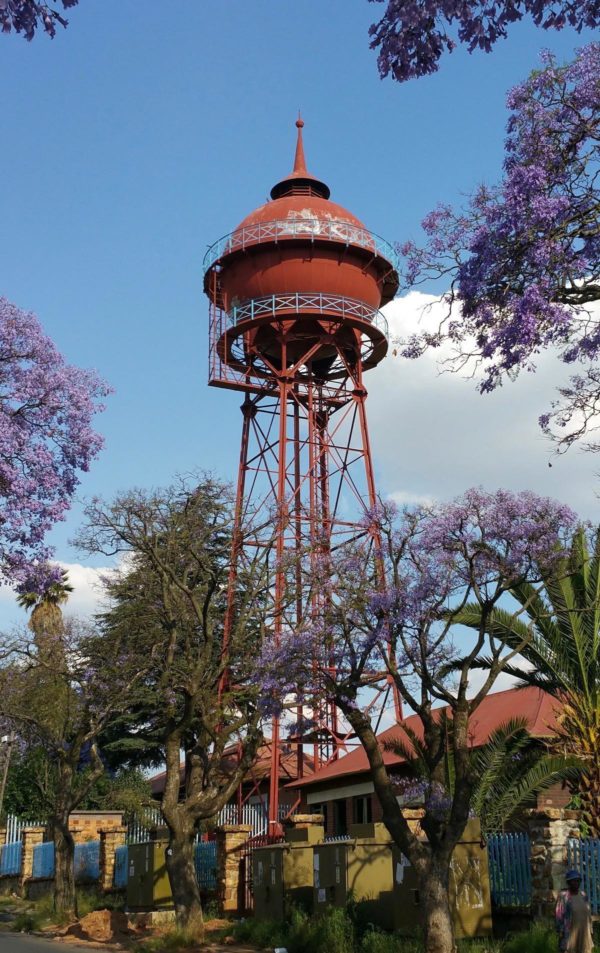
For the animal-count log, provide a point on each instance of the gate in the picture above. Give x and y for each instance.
(246, 900)
(509, 858)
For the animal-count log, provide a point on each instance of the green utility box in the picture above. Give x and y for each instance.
(148, 884)
(283, 874)
(470, 899)
(359, 867)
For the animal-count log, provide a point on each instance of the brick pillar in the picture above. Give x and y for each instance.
(31, 837)
(304, 827)
(231, 840)
(3, 836)
(549, 831)
(109, 841)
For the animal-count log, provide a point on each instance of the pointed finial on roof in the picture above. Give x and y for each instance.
(299, 160)
(300, 178)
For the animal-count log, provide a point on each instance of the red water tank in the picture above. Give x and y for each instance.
(301, 242)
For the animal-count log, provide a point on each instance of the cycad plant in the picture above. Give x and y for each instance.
(511, 769)
(559, 626)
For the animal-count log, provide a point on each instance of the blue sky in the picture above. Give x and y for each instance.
(145, 131)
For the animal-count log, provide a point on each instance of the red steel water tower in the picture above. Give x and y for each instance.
(295, 292)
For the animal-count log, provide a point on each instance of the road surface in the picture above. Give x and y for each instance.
(23, 943)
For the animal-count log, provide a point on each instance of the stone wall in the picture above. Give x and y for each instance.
(231, 844)
(109, 841)
(549, 831)
(87, 825)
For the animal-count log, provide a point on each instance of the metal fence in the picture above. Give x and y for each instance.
(120, 878)
(15, 825)
(205, 856)
(509, 858)
(87, 861)
(584, 855)
(43, 860)
(10, 859)
(255, 815)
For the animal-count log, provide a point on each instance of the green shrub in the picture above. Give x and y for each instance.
(540, 939)
(375, 941)
(171, 941)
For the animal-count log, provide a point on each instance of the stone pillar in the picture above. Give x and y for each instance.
(31, 837)
(232, 869)
(109, 841)
(549, 831)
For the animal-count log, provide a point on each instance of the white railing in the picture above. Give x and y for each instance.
(299, 302)
(320, 228)
(14, 826)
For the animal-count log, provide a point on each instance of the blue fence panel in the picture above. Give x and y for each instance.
(120, 879)
(509, 858)
(206, 864)
(43, 860)
(584, 855)
(10, 858)
(87, 861)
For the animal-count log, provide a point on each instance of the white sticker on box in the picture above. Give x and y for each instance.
(399, 873)
(338, 875)
(315, 861)
(322, 896)
(260, 872)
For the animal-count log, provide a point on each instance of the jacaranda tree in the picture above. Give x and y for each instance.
(46, 440)
(522, 259)
(435, 560)
(27, 16)
(413, 35)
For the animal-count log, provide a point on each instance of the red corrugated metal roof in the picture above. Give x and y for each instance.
(536, 707)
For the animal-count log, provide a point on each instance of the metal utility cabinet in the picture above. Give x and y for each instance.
(148, 884)
(470, 899)
(359, 867)
(283, 874)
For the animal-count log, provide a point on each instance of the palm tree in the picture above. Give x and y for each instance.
(511, 769)
(46, 620)
(560, 622)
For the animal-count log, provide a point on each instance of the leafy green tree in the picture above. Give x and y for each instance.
(58, 703)
(198, 694)
(558, 631)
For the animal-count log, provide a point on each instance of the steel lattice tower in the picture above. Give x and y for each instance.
(294, 293)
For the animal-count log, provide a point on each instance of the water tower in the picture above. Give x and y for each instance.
(294, 293)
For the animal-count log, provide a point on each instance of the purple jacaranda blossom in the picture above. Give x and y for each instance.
(396, 588)
(412, 35)
(46, 439)
(27, 16)
(523, 257)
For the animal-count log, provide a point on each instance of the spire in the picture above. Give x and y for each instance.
(299, 160)
(300, 181)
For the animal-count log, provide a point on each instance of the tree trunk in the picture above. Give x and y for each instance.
(589, 792)
(182, 877)
(65, 898)
(434, 887)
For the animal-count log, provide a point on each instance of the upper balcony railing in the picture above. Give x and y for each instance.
(276, 306)
(313, 228)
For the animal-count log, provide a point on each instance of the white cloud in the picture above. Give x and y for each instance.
(433, 435)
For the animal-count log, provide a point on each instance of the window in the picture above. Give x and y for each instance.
(363, 809)
(340, 825)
